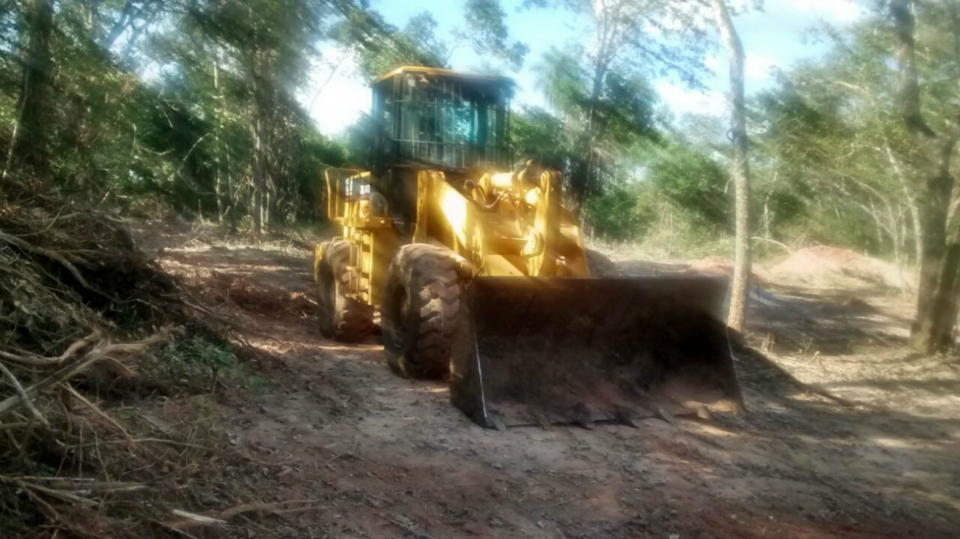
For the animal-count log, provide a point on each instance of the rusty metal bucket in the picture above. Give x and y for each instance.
(541, 351)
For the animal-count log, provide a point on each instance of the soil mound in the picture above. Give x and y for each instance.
(827, 266)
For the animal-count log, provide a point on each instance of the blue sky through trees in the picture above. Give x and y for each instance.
(777, 37)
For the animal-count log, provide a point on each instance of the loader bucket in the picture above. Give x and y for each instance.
(541, 351)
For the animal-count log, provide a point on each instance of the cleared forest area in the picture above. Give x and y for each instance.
(163, 372)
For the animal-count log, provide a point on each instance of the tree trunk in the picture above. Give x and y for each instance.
(934, 283)
(218, 191)
(29, 149)
(258, 179)
(218, 186)
(917, 228)
(913, 208)
(943, 316)
(740, 288)
(937, 270)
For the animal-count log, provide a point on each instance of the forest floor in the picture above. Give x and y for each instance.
(379, 456)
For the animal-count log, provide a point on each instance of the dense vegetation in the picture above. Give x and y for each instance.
(192, 105)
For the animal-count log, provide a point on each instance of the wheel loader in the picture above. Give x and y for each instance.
(477, 273)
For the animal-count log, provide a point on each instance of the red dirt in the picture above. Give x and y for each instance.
(384, 457)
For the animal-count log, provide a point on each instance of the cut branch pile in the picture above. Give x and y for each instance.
(66, 275)
(79, 301)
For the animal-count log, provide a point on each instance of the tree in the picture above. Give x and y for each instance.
(740, 168)
(630, 39)
(487, 33)
(379, 47)
(694, 183)
(30, 143)
(266, 46)
(933, 149)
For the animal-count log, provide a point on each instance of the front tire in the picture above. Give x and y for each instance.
(342, 318)
(422, 311)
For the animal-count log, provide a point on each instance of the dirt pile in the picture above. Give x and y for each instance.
(829, 266)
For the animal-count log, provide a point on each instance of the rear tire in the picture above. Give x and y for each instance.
(422, 311)
(341, 318)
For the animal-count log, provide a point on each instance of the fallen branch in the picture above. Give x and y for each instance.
(77, 345)
(77, 367)
(56, 257)
(31, 360)
(22, 394)
(228, 514)
(173, 443)
(95, 409)
(109, 488)
(777, 243)
(793, 380)
(81, 486)
(221, 518)
(193, 519)
(53, 493)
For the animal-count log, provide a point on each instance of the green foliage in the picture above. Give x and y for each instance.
(834, 161)
(626, 109)
(600, 122)
(622, 213)
(487, 32)
(203, 354)
(379, 48)
(537, 134)
(196, 364)
(190, 102)
(695, 183)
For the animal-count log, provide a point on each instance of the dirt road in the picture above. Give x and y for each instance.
(379, 456)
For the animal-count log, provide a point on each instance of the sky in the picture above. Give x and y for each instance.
(777, 37)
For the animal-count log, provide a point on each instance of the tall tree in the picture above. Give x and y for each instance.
(740, 167)
(269, 42)
(933, 150)
(379, 47)
(598, 133)
(629, 36)
(30, 145)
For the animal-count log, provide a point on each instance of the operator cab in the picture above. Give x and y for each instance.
(430, 118)
(442, 119)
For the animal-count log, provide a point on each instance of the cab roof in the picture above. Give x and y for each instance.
(446, 73)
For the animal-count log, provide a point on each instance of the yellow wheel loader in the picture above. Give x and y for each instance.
(479, 274)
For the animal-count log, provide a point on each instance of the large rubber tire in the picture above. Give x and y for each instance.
(341, 318)
(422, 311)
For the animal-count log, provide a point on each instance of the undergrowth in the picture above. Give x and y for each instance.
(88, 325)
(195, 364)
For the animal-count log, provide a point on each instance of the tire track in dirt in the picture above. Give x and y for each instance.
(386, 457)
